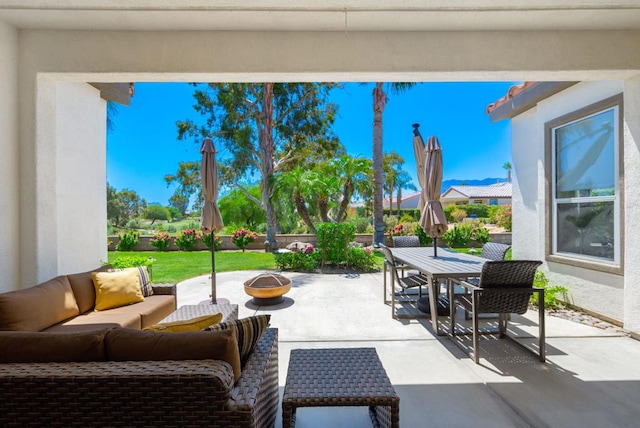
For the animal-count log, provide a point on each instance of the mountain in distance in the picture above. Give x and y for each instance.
(484, 182)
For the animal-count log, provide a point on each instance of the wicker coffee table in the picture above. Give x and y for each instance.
(339, 377)
(187, 312)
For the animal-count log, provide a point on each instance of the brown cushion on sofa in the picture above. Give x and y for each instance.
(36, 308)
(154, 309)
(38, 347)
(125, 344)
(83, 288)
(98, 321)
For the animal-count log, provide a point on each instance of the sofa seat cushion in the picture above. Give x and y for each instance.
(39, 347)
(97, 321)
(123, 344)
(151, 311)
(36, 308)
(83, 288)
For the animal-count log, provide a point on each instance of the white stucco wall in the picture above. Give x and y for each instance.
(9, 191)
(600, 292)
(81, 211)
(632, 204)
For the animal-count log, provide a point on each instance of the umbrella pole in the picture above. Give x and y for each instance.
(435, 247)
(213, 275)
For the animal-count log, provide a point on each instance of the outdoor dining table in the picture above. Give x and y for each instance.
(447, 264)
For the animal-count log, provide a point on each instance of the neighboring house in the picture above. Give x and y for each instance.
(494, 194)
(407, 202)
(575, 200)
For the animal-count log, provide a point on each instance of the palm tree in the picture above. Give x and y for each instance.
(297, 183)
(391, 165)
(507, 166)
(355, 175)
(403, 181)
(379, 103)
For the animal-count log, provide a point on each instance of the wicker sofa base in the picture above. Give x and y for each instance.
(144, 393)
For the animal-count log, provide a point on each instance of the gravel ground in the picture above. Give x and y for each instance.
(582, 318)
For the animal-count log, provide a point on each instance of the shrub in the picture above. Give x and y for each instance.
(550, 291)
(389, 221)
(171, 228)
(161, 241)
(406, 218)
(122, 262)
(134, 223)
(333, 240)
(361, 258)
(459, 236)
(128, 240)
(425, 239)
(399, 230)
(458, 215)
(503, 217)
(305, 261)
(243, 237)
(187, 239)
(480, 234)
(212, 240)
(361, 224)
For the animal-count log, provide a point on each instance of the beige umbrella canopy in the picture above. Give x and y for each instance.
(432, 218)
(211, 220)
(419, 152)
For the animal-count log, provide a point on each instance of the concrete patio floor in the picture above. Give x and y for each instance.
(591, 377)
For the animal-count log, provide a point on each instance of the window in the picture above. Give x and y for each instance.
(584, 184)
(493, 202)
(477, 201)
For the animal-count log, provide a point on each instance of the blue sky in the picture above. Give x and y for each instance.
(144, 147)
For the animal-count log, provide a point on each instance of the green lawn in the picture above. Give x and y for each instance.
(176, 266)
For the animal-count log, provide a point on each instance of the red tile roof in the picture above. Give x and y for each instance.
(511, 93)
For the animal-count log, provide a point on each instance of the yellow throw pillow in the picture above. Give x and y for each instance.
(115, 289)
(194, 324)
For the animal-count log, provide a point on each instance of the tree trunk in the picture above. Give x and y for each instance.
(347, 192)
(379, 101)
(323, 207)
(301, 207)
(399, 200)
(265, 133)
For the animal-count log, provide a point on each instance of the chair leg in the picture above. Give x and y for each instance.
(384, 282)
(502, 325)
(541, 329)
(452, 308)
(476, 333)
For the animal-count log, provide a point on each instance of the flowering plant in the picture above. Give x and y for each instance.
(503, 218)
(187, 239)
(308, 249)
(398, 230)
(243, 237)
(480, 234)
(212, 241)
(160, 240)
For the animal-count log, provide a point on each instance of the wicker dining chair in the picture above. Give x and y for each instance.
(505, 287)
(405, 242)
(494, 251)
(405, 282)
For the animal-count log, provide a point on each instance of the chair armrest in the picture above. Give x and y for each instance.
(165, 289)
(467, 285)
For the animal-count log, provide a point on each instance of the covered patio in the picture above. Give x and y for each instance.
(591, 377)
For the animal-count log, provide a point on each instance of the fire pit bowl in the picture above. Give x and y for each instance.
(267, 288)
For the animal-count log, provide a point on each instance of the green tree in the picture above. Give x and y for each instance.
(189, 183)
(123, 205)
(155, 212)
(236, 208)
(297, 183)
(174, 213)
(379, 103)
(265, 128)
(355, 178)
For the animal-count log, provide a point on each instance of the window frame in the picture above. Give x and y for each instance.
(616, 266)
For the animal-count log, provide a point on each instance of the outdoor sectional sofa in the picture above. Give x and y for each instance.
(87, 384)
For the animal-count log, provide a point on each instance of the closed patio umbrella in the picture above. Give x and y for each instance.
(432, 218)
(211, 220)
(419, 152)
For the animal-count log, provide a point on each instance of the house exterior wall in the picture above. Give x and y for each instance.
(600, 292)
(49, 57)
(81, 164)
(9, 187)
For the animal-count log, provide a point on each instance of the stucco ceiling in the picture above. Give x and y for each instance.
(322, 15)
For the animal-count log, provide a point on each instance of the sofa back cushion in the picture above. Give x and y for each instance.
(125, 344)
(36, 308)
(40, 347)
(83, 288)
